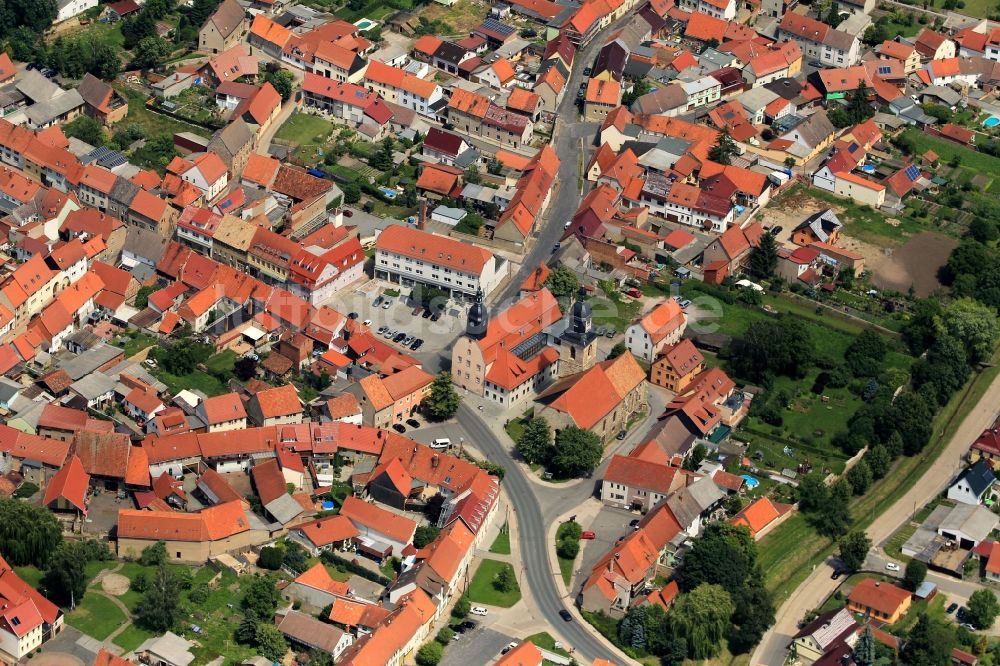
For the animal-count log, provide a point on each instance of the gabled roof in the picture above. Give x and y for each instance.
(978, 476)
(663, 320)
(70, 483)
(377, 519)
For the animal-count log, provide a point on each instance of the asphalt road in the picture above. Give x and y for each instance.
(532, 529)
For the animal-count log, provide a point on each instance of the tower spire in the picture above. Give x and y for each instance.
(479, 318)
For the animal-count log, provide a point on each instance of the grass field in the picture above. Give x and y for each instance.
(789, 553)
(96, 616)
(971, 161)
(153, 124)
(566, 569)
(201, 381)
(501, 545)
(543, 640)
(138, 341)
(307, 132)
(132, 637)
(30, 575)
(481, 588)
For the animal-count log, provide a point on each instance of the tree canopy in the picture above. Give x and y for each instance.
(724, 149)
(764, 257)
(854, 547)
(159, 609)
(443, 400)
(780, 347)
(535, 443)
(576, 453)
(562, 281)
(28, 534)
(983, 608)
(701, 618)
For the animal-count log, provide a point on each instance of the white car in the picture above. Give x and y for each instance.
(367, 322)
(478, 610)
(891, 566)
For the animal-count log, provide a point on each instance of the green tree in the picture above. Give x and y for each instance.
(260, 599)
(752, 617)
(701, 618)
(495, 166)
(724, 554)
(150, 52)
(916, 571)
(430, 654)
(424, 535)
(859, 109)
(697, 455)
(974, 325)
(983, 230)
(617, 350)
(160, 609)
(86, 129)
(833, 18)
(201, 10)
(865, 353)
(781, 346)
(983, 608)
(28, 534)
(472, 175)
(382, 159)
(764, 257)
(283, 82)
(445, 635)
(137, 27)
(270, 642)
(65, 581)
(724, 149)
(443, 400)
(24, 44)
(639, 88)
(854, 547)
(461, 608)
(352, 193)
(930, 644)
(860, 477)
(37, 15)
(562, 281)
(535, 444)
(270, 558)
(154, 555)
(504, 581)
(576, 453)
(835, 520)
(911, 417)
(878, 461)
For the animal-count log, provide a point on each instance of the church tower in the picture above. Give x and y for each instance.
(479, 318)
(578, 343)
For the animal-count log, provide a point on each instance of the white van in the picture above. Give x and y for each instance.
(441, 443)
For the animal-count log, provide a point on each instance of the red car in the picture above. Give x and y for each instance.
(633, 292)
(588, 534)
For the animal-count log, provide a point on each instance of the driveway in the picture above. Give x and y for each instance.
(478, 646)
(69, 648)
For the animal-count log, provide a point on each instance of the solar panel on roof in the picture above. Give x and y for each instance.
(912, 172)
(884, 70)
(494, 25)
(115, 159)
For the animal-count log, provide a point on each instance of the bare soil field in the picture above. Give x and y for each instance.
(915, 262)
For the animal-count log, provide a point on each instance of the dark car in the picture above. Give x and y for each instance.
(951, 608)
(587, 71)
(774, 231)
(815, 63)
(634, 523)
(425, 314)
(565, 615)
(398, 427)
(377, 302)
(348, 212)
(837, 573)
(467, 625)
(417, 344)
(620, 436)
(417, 310)
(352, 315)
(961, 613)
(435, 316)
(399, 337)
(555, 248)
(413, 423)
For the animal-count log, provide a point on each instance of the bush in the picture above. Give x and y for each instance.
(461, 608)
(270, 558)
(568, 549)
(570, 529)
(199, 595)
(430, 654)
(445, 635)
(342, 563)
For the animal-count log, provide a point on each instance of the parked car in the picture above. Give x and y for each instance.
(417, 310)
(601, 330)
(426, 313)
(417, 344)
(408, 340)
(399, 337)
(565, 615)
(952, 607)
(348, 212)
(962, 610)
(382, 329)
(386, 303)
(413, 423)
(367, 322)
(388, 333)
(611, 332)
(436, 316)
(775, 230)
(966, 625)
(587, 71)
(891, 566)
(815, 63)
(620, 436)
(837, 573)
(398, 427)
(479, 610)
(377, 302)
(588, 534)
(555, 248)
(634, 292)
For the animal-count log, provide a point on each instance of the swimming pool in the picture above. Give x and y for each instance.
(751, 482)
(992, 121)
(327, 505)
(389, 193)
(365, 24)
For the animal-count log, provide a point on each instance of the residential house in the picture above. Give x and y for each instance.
(823, 227)
(883, 602)
(933, 45)
(390, 400)
(224, 28)
(382, 533)
(676, 366)
(636, 484)
(223, 412)
(859, 189)
(104, 104)
(818, 41)
(477, 116)
(662, 326)
(973, 485)
(829, 630)
(600, 98)
(275, 406)
(38, 619)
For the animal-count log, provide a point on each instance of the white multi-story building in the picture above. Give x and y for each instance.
(410, 256)
(401, 87)
(818, 41)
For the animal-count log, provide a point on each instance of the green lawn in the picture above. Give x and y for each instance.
(971, 161)
(138, 341)
(903, 29)
(221, 362)
(501, 545)
(566, 569)
(201, 381)
(30, 575)
(132, 638)
(543, 640)
(481, 588)
(154, 124)
(96, 616)
(305, 131)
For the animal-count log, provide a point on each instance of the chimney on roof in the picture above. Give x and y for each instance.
(435, 460)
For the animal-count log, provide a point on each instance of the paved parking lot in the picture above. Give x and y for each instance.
(399, 317)
(608, 525)
(68, 648)
(479, 646)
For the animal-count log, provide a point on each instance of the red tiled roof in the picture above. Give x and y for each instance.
(71, 483)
